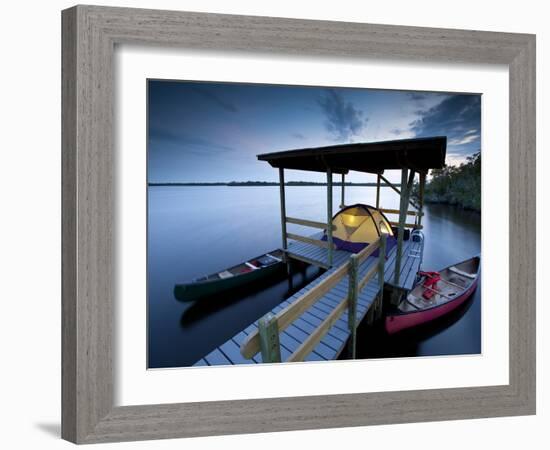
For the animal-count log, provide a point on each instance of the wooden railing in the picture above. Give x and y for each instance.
(308, 223)
(308, 240)
(396, 211)
(266, 338)
(416, 214)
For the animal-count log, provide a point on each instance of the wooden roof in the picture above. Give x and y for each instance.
(420, 154)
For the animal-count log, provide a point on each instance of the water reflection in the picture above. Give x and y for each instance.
(194, 231)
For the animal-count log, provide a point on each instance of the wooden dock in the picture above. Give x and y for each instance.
(333, 342)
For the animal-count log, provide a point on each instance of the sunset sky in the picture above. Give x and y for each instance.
(207, 132)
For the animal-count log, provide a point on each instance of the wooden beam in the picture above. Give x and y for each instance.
(377, 191)
(407, 225)
(367, 251)
(396, 211)
(353, 293)
(308, 223)
(329, 216)
(286, 316)
(439, 293)
(269, 339)
(283, 206)
(422, 184)
(308, 240)
(369, 275)
(314, 338)
(389, 183)
(342, 202)
(381, 276)
(307, 260)
(404, 200)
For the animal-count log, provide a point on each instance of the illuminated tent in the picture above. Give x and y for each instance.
(357, 226)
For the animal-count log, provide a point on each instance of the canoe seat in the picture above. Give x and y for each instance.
(461, 272)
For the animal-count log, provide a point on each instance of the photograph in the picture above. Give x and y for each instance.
(311, 223)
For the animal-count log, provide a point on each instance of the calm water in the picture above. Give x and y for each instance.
(193, 231)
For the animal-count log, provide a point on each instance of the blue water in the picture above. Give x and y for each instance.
(193, 231)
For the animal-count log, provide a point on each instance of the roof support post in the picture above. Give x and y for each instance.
(283, 206)
(377, 191)
(406, 188)
(343, 202)
(329, 215)
(422, 184)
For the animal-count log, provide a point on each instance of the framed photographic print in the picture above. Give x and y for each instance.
(277, 224)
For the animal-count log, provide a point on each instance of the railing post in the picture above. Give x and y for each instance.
(381, 270)
(329, 215)
(283, 205)
(403, 206)
(377, 191)
(343, 200)
(269, 339)
(286, 259)
(353, 275)
(421, 185)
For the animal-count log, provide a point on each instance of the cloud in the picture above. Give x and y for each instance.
(215, 98)
(417, 95)
(458, 117)
(466, 139)
(342, 119)
(456, 159)
(298, 136)
(186, 142)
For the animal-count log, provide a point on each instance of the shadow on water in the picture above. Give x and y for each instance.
(375, 342)
(205, 324)
(207, 306)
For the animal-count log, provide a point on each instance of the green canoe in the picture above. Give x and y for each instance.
(234, 277)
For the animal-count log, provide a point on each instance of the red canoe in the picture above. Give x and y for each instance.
(437, 294)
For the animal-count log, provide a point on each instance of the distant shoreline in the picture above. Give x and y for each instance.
(267, 183)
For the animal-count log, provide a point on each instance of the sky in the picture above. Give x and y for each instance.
(212, 132)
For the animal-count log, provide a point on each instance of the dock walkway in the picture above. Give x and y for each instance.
(335, 340)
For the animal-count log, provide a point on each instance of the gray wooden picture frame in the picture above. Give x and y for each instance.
(90, 34)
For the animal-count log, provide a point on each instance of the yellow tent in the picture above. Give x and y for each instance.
(358, 225)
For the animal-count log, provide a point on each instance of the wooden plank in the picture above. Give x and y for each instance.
(306, 328)
(291, 343)
(334, 338)
(408, 225)
(285, 317)
(308, 223)
(308, 240)
(308, 345)
(307, 260)
(367, 251)
(322, 314)
(396, 211)
(217, 358)
(232, 351)
(368, 276)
